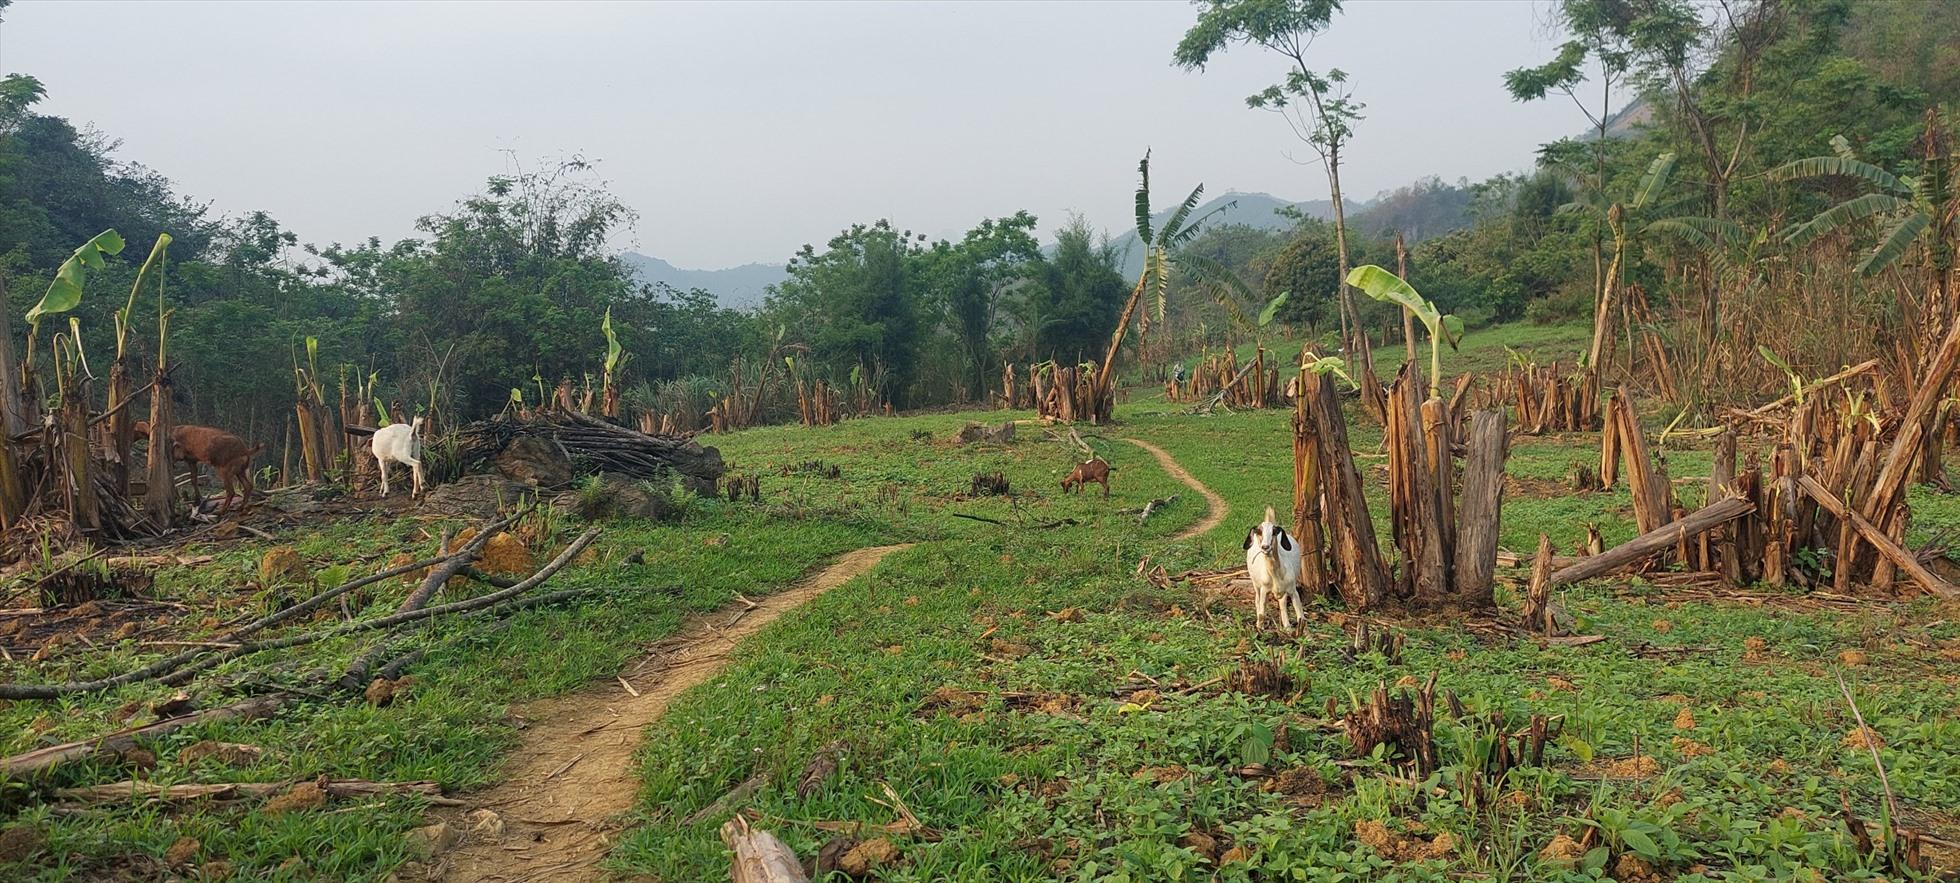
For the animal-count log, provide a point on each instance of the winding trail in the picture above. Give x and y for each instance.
(1217, 511)
(574, 770)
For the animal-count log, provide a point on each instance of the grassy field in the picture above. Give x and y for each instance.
(982, 681)
(1047, 712)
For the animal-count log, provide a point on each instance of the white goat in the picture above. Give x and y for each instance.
(1272, 559)
(401, 443)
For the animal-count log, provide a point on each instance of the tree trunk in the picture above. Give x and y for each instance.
(13, 420)
(160, 500)
(1483, 505)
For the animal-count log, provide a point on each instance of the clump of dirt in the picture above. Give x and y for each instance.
(954, 701)
(1642, 767)
(1685, 719)
(281, 565)
(1853, 658)
(867, 857)
(1690, 748)
(1562, 852)
(1389, 844)
(22, 842)
(1205, 845)
(1303, 784)
(300, 797)
(1863, 738)
(1162, 775)
(181, 852)
(506, 555)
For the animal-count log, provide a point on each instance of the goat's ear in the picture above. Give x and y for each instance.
(1249, 535)
(1285, 541)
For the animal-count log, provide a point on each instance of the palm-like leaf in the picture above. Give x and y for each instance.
(1387, 287)
(1896, 241)
(1174, 225)
(1836, 167)
(1224, 286)
(65, 292)
(1272, 308)
(1161, 285)
(1831, 219)
(1143, 200)
(1707, 234)
(1654, 181)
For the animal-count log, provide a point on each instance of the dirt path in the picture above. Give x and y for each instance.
(574, 770)
(1214, 517)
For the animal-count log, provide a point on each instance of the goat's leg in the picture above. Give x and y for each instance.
(415, 475)
(1259, 605)
(1105, 484)
(382, 462)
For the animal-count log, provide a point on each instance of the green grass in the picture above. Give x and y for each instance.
(1072, 792)
(1050, 774)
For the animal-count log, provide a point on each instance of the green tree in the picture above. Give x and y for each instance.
(1319, 107)
(971, 279)
(857, 305)
(1076, 296)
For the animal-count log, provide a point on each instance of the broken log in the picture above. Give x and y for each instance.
(1653, 542)
(759, 856)
(1892, 551)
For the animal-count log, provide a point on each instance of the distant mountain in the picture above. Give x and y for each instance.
(1251, 209)
(734, 287)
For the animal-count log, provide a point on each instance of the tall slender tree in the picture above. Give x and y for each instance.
(1319, 107)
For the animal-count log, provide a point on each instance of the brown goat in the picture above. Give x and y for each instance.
(226, 454)
(1095, 469)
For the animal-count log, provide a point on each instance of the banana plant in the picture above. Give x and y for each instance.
(1387, 287)
(156, 258)
(1159, 264)
(1908, 206)
(65, 292)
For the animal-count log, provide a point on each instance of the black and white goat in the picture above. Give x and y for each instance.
(1272, 559)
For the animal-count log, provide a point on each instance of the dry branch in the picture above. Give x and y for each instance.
(1660, 539)
(120, 792)
(40, 761)
(1893, 552)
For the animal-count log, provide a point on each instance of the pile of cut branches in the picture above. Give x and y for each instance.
(592, 445)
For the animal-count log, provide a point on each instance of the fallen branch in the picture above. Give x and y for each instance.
(40, 761)
(1052, 524)
(1899, 557)
(735, 795)
(1659, 539)
(1152, 507)
(120, 792)
(1813, 386)
(184, 664)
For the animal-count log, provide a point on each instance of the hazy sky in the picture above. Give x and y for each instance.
(741, 130)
